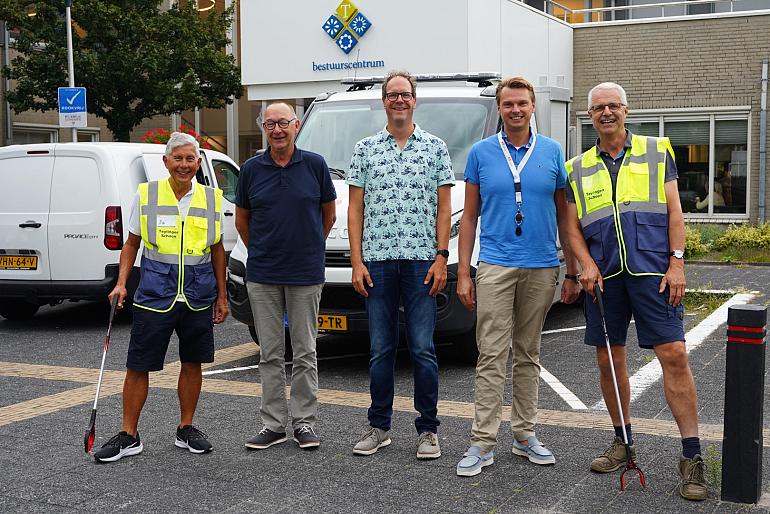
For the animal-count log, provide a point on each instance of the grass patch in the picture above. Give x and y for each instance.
(703, 304)
(736, 243)
(735, 254)
(713, 460)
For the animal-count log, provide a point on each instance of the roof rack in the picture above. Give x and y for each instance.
(482, 79)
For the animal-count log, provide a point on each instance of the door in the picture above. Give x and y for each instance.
(76, 226)
(24, 200)
(226, 179)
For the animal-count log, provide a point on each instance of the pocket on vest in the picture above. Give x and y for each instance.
(158, 279)
(593, 236)
(652, 232)
(205, 284)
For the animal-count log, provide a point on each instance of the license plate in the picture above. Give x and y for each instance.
(335, 323)
(18, 261)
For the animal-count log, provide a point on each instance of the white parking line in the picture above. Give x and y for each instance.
(569, 329)
(566, 395)
(652, 372)
(218, 371)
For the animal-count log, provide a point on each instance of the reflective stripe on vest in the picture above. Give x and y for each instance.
(176, 246)
(640, 201)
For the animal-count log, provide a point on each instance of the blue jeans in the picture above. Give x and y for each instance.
(396, 280)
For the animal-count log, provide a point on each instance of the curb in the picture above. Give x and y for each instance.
(730, 263)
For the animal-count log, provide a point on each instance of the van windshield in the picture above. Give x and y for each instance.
(333, 128)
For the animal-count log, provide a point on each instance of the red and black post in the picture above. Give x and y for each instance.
(744, 397)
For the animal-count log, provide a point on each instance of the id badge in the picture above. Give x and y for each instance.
(167, 221)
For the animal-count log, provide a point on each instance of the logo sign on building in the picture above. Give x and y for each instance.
(72, 107)
(346, 26)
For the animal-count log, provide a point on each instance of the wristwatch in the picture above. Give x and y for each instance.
(569, 276)
(444, 253)
(677, 254)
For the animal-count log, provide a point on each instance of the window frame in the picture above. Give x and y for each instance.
(712, 115)
(38, 128)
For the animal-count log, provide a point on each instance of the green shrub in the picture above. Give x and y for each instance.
(693, 244)
(745, 236)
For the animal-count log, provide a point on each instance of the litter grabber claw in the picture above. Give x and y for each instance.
(90, 436)
(630, 463)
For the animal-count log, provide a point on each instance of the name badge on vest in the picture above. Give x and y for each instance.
(166, 221)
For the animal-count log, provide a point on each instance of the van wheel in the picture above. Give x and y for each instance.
(287, 354)
(17, 309)
(466, 349)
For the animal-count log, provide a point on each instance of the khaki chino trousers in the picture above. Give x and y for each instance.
(511, 307)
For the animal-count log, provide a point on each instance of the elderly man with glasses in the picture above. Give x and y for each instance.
(285, 208)
(627, 230)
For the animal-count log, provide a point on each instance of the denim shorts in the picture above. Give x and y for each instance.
(625, 296)
(151, 332)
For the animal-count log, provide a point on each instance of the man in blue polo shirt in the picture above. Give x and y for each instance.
(285, 208)
(515, 181)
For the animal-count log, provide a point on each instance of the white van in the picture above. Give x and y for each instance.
(461, 110)
(62, 213)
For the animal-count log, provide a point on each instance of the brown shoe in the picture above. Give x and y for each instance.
(693, 484)
(613, 457)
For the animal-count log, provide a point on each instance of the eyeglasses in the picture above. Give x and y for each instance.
(613, 107)
(270, 124)
(406, 96)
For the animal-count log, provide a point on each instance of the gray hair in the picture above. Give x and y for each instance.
(177, 139)
(611, 86)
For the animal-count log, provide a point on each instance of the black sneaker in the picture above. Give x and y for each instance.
(306, 438)
(119, 446)
(265, 439)
(193, 439)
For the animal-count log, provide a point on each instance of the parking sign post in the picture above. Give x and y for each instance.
(70, 63)
(744, 397)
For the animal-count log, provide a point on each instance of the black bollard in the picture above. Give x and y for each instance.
(744, 397)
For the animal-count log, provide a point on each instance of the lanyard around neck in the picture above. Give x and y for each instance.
(516, 170)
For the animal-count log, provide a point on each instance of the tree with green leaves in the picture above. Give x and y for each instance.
(137, 58)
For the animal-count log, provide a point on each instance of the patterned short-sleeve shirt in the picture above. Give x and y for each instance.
(400, 193)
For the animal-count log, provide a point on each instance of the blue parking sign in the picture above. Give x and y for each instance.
(72, 107)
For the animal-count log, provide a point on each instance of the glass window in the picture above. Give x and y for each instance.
(25, 136)
(227, 179)
(730, 173)
(690, 140)
(332, 129)
(725, 191)
(85, 136)
(642, 128)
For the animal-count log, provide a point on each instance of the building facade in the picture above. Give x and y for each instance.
(693, 72)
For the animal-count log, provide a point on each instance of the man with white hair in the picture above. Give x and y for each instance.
(626, 229)
(182, 289)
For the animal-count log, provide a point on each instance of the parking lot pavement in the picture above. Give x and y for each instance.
(49, 367)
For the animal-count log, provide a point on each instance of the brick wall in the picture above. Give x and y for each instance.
(715, 62)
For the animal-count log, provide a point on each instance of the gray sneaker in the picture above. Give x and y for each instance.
(613, 457)
(372, 440)
(427, 446)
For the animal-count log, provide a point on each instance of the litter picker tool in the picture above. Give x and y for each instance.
(88, 439)
(630, 464)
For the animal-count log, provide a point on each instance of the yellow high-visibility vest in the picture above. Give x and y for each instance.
(630, 233)
(176, 259)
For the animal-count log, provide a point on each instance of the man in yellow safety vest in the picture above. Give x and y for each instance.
(627, 230)
(182, 289)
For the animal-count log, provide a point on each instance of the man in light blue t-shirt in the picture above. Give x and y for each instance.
(515, 181)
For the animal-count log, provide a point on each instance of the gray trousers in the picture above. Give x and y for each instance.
(268, 304)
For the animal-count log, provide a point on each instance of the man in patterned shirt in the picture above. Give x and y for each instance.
(398, 218)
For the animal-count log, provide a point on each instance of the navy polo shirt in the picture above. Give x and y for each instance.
(286, 238)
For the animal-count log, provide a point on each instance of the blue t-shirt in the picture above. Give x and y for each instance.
(286, 239)
(542, 175)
